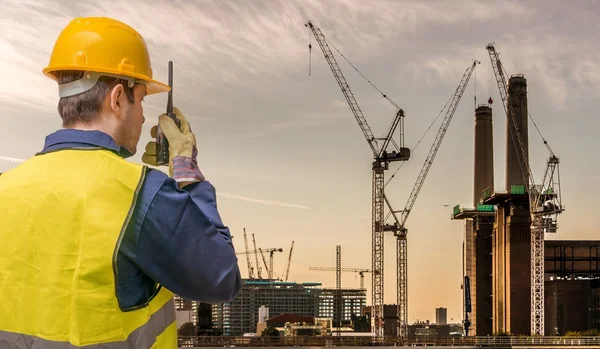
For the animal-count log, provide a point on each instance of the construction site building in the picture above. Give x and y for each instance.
(303, 299)
(186, 311)
(241, 315)
(352, 303)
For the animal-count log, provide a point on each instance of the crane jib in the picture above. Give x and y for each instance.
(437, 142)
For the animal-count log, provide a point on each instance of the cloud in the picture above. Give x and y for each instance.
(307, 120)
(558, 60)
(586, 71)
(224, 42)
(264, 202)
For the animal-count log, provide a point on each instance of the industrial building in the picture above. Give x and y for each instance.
(241, 315)
(497, 239)
(572, 286)
(478, 226)
(497, 246)
(511, 245)
(307, 299)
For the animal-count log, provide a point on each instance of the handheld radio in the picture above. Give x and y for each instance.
(162, 144)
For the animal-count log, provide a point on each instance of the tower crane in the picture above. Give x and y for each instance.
(361, 272)
(545, 203)
(271, 251)
(382, 159)
(401, 235)
(250, 268)
(287, 268)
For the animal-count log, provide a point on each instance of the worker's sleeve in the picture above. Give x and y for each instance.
(182, 243)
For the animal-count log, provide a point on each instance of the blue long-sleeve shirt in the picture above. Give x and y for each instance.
(175, 236)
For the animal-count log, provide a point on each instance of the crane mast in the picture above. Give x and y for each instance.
(381, 162)
(271, 251)
(258, 267)
(544, 200)
(401, 240)
(287, 268)
(265, 261)
(250, 268)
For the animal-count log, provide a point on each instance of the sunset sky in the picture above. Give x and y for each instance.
(283, 149)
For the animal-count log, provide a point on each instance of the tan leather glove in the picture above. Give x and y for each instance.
(183, 166)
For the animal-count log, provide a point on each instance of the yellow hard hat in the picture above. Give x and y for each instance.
(101, 46)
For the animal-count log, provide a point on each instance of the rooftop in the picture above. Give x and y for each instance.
(279, 283)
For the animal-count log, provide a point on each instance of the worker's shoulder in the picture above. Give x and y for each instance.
(155, 175)
(154, 181)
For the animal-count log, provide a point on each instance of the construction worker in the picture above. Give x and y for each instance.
(94, 247)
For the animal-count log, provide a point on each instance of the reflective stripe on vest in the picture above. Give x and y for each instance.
(63, 217)
(142, 337)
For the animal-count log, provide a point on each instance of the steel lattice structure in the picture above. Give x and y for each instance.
(381, 162)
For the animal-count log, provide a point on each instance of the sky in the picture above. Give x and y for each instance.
(282, 148)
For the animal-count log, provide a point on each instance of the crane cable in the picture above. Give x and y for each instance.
(369, 81)
(423, 136)
(393, 103)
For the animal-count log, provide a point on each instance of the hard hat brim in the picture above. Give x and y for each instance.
(152, 86)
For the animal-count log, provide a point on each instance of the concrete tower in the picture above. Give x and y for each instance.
(478, 227)
(483, 171)
(483, 178)
(511, 247)
(517, 97)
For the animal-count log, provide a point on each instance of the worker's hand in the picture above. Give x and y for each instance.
(183, 166)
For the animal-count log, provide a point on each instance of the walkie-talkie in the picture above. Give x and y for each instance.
(162, 144)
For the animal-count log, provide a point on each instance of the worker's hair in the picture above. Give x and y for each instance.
(86, 106)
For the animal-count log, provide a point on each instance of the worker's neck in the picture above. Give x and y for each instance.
(101, 123)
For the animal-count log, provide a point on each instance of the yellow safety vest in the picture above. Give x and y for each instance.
(62, 218)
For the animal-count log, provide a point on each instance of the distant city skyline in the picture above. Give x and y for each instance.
(283, 149)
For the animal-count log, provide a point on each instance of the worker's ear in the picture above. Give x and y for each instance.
(116, 99)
